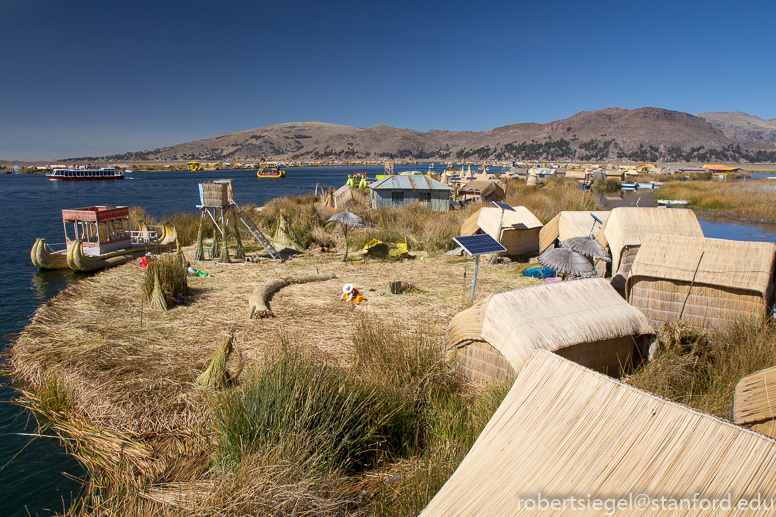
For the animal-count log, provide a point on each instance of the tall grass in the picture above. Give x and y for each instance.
(391, 427)
(556, 196)
(344, 422)
(747, 200)
(701, 368)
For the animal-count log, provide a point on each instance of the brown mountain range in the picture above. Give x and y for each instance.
(644, 134)
(742, 127)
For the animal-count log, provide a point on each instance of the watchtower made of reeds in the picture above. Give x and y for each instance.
(217, 201)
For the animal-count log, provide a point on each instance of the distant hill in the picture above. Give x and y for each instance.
(644, 134)
(742, 127)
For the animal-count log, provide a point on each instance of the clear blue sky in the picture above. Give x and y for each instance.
(102, 77)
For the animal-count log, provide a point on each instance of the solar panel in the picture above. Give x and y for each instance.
(479, 244)
(597, 219)
(504, 206)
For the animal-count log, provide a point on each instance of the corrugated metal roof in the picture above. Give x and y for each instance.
(408, 183)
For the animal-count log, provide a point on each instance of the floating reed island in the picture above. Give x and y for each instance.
(255, 390)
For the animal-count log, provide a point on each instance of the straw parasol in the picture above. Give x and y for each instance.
(347, 220)
(588, 247)
(567, 262)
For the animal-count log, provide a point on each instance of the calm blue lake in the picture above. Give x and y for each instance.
(31, 469)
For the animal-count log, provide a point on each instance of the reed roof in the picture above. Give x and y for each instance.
(564, 430)
(487, 219)
(485, 188)
(755, 398)
(724, 263)
(628, 226)
(569, 224)
(547, 317)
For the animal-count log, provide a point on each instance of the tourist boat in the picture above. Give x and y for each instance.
(271, 172)
(98, 237)
(79, 174)
(194, 166)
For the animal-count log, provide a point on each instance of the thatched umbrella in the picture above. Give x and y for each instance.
(348, 220)
(588, 247)
(567, 262)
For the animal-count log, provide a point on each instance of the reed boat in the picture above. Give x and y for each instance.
(45, 259)
(271, 172)
(98, 237)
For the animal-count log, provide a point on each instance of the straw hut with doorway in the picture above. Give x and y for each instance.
(564, 430)
(568, 224)
(486, 190)
(519, 231)
(707, 282)
(626, 228)
(346, 196)
(586, 321)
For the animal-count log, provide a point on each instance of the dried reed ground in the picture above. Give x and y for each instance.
(138, 379)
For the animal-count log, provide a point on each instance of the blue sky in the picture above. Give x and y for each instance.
(94, 78)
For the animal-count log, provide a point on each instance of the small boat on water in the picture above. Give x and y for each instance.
(194, 166)
(98, 237)
(271, 172)
(668, 203)
(85, 174)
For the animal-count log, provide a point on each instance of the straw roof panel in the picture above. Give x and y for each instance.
(565, 430)
(487, 219)
(548, 317)
(628, 226)
(568, 224)
(755, 398)
(346, 196)
(719, 262)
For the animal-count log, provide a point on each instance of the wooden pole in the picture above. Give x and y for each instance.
(474, 278)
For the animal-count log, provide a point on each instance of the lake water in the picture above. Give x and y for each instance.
(31, 470)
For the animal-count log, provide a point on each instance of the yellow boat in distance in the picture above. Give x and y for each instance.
(271, 172)
(194, 166)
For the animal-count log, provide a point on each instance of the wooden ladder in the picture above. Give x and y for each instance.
(248, 222)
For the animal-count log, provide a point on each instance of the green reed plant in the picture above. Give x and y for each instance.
(345, 422)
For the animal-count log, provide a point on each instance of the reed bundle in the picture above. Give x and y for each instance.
(217, 375)
(259, 298)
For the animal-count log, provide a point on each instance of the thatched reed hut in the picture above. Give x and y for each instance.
(346, 196)
(486, 191)
(586, 321)
(563, 430)
(519, 228)
(707, 282)
(754, 400)
(568, 224)
(626, 228)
